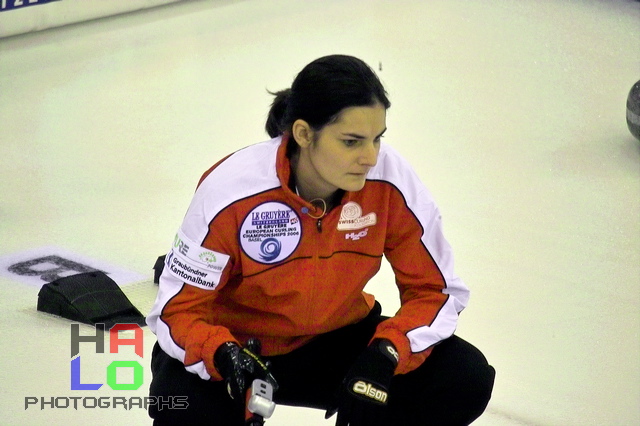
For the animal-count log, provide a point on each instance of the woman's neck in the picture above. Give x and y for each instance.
(304, 184)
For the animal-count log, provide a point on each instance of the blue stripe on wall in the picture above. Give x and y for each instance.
(17, 4)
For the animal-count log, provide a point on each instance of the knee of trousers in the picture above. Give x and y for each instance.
(473, 375)
(452, 386)
(473, 382)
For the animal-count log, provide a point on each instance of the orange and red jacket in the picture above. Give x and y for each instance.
(252, 259)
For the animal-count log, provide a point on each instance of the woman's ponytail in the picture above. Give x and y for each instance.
(275, 119)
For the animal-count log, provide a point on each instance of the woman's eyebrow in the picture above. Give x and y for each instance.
(358, 136)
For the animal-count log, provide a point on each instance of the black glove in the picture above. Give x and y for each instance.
(239, 367)
(364, 394)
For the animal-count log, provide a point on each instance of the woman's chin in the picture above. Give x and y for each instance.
(354, 185)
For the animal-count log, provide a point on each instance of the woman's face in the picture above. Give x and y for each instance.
(340, 155)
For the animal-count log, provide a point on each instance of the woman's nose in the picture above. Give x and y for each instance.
(369, 155)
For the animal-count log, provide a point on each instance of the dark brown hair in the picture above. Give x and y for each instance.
(322, 90)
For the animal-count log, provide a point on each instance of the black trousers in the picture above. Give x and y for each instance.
(452, 387)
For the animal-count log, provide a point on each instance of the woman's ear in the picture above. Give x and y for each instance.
(302, 133)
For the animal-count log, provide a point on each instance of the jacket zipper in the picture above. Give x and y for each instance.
(319, 225)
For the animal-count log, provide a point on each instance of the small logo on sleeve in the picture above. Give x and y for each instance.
(194, 264)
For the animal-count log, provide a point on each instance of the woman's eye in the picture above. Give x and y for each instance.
(350, 142)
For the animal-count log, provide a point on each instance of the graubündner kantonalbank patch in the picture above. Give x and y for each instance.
(270, 232)
(194, 264)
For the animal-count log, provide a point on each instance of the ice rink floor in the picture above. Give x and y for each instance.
(512, 112)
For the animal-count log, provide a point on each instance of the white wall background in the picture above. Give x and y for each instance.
(24, 16)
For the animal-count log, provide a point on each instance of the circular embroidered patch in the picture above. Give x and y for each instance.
(270, 232)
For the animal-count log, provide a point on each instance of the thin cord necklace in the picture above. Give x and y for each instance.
(318, 203)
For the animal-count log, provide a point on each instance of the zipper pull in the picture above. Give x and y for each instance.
(319, 225)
